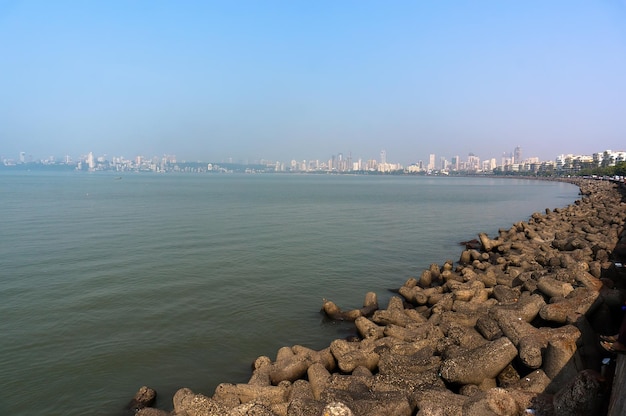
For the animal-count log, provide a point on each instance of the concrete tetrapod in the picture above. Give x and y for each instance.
(480, 363)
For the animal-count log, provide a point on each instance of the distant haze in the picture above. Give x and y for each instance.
(305, 80)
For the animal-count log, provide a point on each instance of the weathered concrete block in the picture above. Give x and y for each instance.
(337, 409)
(487, 243)
(188, 403)
(536, 403)
(145, 397)
(527, 307)
(488, 328)
(301, 389)
(411, 282)
(150, 411)
(399, 365)
(256, 409)
(305, 407)
(226, 394)
(463, 295)
(535, 382)
(466, 257)
(585, 278)
(319, 378)
(370, 304)
(488, 384)
(440, 403)
(512, 324)
(508, 377)
(579, 302)
(494, 402)
(415, 295)
(350, 355)
(559, 362)
(369, 329)
(444, 304)
(452, 317)
(246, 393)
(435, 272)
(426, 279)
(323, 356)
(552, 287)
(410, 334)
(480, 363)
(395, 317)
(292, 363)
(506, 294)
(474, 307)
(334, 312)
(469, 274)
(261, 372)
(466, 337)
(489, 278)
(289, 369)
(415, 316)
(531, 346)
(361, 372)
(579, 397)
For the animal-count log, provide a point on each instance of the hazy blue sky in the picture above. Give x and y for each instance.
(286, 80)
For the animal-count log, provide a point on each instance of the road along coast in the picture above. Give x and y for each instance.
(510, 328)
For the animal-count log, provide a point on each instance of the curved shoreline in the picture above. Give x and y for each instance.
(512, 326)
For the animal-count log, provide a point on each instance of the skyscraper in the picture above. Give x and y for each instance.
(90, 161)
(431, 162)
(456, 162)
(517, 155)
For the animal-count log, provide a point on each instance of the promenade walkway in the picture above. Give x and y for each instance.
(617, 404)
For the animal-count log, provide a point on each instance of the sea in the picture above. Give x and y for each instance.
(109, 282)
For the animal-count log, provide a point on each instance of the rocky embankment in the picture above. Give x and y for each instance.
(511, 328)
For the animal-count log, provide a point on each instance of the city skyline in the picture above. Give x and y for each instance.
(514, 161)
(258, 80)
(24, 156)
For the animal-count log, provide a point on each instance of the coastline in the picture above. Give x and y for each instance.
(512, 326)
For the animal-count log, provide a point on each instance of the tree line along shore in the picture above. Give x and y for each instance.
(511, 328)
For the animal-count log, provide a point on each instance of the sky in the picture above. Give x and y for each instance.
(282, 80)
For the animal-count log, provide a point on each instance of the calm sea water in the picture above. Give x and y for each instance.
(182, 281)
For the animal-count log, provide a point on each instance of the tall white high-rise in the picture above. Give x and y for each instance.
(383, 157)
(90, 161)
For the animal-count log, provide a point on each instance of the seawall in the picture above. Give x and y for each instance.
(510, 328)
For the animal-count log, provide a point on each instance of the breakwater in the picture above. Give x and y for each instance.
(510, 328)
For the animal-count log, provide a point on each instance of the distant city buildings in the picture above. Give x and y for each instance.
(510, 163)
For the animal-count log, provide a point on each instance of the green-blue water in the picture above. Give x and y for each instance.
(180, 280)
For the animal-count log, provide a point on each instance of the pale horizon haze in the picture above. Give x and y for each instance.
(279, 80)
